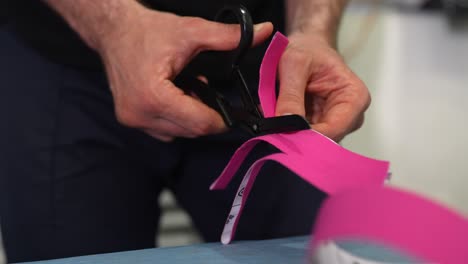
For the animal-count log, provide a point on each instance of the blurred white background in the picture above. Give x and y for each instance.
(416, 68)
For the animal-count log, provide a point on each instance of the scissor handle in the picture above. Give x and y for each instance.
(246, 24)
(208, 94)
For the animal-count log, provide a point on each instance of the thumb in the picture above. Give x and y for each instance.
(293, 80)
(220, 36)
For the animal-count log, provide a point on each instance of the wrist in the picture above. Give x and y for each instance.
(114, 26)
(322, 36)
(319, 18)
(315, 35)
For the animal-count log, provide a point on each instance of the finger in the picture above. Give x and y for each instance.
(340, 121)
(293, 76)
(155, 123)
(166, 128)
(191, 114)
(161, 137)
(358, 123)
(220, 36)
(343, 112)
(203, 79)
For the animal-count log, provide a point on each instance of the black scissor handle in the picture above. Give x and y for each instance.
(209, 94)
(246, 24)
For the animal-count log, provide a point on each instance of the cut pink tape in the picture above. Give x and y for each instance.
(324, 173)
(312, 156)
(396, 218)
(267, 80)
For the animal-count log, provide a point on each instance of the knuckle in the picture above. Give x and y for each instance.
(132, 113)
(192, 25)
(360, 122)
(367, 98)
(357, 93)
(151, 105)
(362, 95)
(194, 21)
(167, 59)
(204, 128)
(126, 117)
(163, 104)
(368, 93)
(292, 98)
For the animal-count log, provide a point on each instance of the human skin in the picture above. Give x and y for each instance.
(314, 79)
(143, 50)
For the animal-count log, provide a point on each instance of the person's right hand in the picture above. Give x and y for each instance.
(143, 57)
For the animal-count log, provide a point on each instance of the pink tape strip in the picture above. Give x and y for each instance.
(396, 218)
(312, 156)
(319, 161)
(267, 82)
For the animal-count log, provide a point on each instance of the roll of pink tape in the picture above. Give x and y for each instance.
(393, 217)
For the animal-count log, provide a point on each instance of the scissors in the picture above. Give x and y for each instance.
(248, 117)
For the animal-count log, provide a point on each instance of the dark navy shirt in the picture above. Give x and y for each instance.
(42, 29)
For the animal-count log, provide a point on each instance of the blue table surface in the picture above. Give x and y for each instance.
(286, 250)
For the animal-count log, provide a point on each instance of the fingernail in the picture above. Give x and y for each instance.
(258, 27)
(286, 114)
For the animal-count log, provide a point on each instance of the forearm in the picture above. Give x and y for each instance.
(96, 21)
(318, 17)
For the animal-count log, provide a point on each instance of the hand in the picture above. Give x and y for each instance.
(148, 52)
(316, 83)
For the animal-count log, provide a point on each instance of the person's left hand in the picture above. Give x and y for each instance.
(316, 83)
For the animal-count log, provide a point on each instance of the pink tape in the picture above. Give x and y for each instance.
(267, 82)
(323, 163)
(319, 161)
(395, 218)
(312, 156)
(359, 206)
